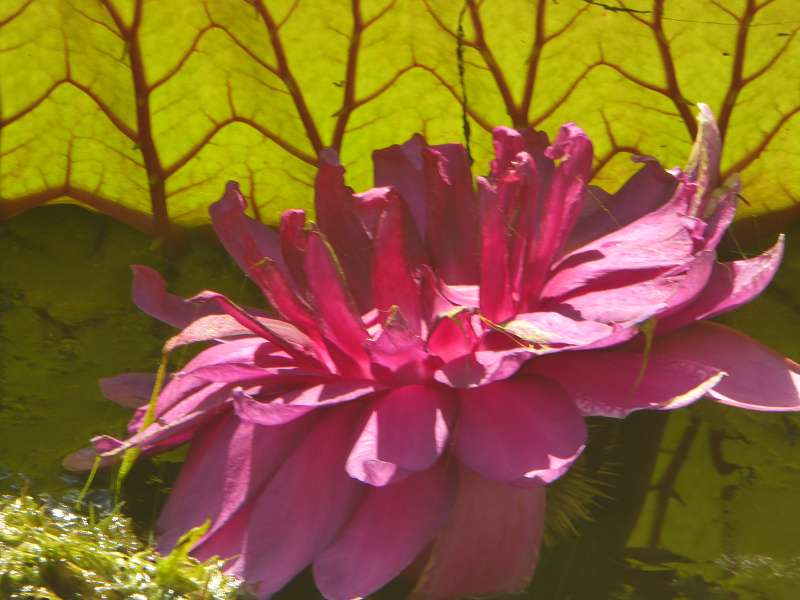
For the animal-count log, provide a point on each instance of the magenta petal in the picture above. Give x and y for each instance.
(659, 240)
(131, 390)
(293, 245)
(251, 455)
(285, 336)
(616, 383)
(560, 206)
(338, 317)
(405, 430)
(757, 377)
(393, 280)
(452, 214)
(730, 286)
(303, 508)
(490, 544)
(336, 215)
(206, 329)
(149, 292)
(238, 232)
(497, 202)
(703, 166)
(523, 427)
(292, 405)
(390, 529)
(547, 329)
(643, 193)
(507, 144)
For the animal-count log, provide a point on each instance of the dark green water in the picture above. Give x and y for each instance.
(702, 503)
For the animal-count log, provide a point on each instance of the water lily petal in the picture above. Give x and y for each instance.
(729, 286)
(490, 544)
(392, 276)
(149, 293)
(388, 531)
(643, 193)
(615, 383)
(336, 215)
(337, 315)
(303, 508)
(290, 405)
(405, 430)
(237, 231)
(251, 455)
(757, 378)
(560, 207)
(522, 427)
(131, 390)
(293, 238)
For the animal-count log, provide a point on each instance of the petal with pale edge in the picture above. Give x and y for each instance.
(304, 507)
(616, 383)
(389, 530)
(490, 544)
(525, 427)
(405, 430)
(758, 378)
(294, 404)
(730, 286)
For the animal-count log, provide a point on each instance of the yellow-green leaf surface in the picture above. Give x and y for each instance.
(143, 109)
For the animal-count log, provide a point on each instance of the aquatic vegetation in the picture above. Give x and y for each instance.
(434, 355)
(51, 550)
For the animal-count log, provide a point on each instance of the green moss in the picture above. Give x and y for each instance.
(49, 550)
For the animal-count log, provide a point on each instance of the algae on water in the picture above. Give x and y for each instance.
(49, 550)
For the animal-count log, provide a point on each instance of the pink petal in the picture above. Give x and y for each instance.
(560, 208)
(453, 336)
(149, 292)
(703, 167)
(394, 284)
(303, 508)
(402, 168)
(507, 143)
(206, 329)
(436, 184)
(635, 298)
(518, 428)
(335, 211)
(250, 455)
(730, 286)
(498, 203)
(130, 390)
(616, 383)
(285, 336)
(337, 315)
(391, 528)
(238, 232)
(757, 378)
(452, 233)
(291, 405)
(398, 354)
(490, 544)
(293, 245)
(482, 367)
(547, 329)
(642, 194)
(660, 240)
(405, 430)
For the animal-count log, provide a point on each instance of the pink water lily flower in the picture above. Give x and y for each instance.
(433, 351)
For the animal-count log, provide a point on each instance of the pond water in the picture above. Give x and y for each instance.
(698, 504)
